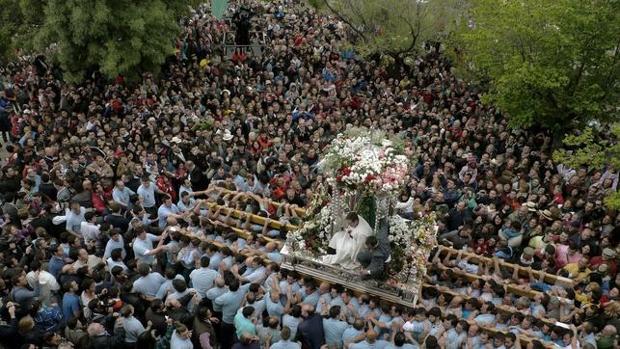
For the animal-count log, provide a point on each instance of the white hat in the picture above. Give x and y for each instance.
(227, 135)
(27, 111)
(176, 139)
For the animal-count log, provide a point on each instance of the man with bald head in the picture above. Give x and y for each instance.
(369, 342)
(310, 330)
(100, 339)
(325, 296)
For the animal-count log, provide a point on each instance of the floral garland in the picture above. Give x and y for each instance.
(326, 215)
(412, 243)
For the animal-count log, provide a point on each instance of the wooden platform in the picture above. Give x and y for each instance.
(350, 280)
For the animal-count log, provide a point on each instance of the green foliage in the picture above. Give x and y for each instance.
(552, 63)
(204, 125)
(19, 21)
(367, 208)
(595, 150)
(582, 150)
(181, 8)
(591, 148)
(117, 37)
(11, 20)
(613, 201)
(394, 27)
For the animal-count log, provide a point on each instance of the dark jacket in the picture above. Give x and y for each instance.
(198, 179)
(107, 341)
(310, 332)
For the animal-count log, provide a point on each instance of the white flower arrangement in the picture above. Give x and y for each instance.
(365, 160)
(401, 230)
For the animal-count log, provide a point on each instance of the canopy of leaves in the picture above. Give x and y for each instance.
(552, 63)
(595, 150)
(117, 37)
(19, 21)
(395, 27)
(9, 26)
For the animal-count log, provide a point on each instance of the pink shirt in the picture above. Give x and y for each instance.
(561, 255)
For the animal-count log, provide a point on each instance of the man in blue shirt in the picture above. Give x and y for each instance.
(400, 341)
(285, 342)
(354, 333)
(215, 257)
(122, 195)
(334, 327)
(228, 303)
(203, 278)
(143, 245)
(57, 261)
(167, 209)
(272, 303)
(148, 283)
(310, 294)
(146, 191)
(370, 342)
(272, 252)
(70, 301)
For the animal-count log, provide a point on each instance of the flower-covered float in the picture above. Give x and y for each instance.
(364, 171)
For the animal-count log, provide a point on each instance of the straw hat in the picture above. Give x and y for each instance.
(531, 206)
(547, 215)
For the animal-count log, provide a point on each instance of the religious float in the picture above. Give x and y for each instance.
(364, 171)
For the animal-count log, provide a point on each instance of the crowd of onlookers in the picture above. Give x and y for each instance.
(115, 233)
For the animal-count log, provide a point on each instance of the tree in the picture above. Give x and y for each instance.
(595, 149)
(550, 63)
(19, 21)
(116, 37)
(11, 20)
(396, 28)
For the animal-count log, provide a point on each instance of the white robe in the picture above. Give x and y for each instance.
(348, 245)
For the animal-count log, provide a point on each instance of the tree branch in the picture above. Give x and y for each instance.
(347, 22)
(612, 76)
(571, 88)
(358, 13)
(415, 34)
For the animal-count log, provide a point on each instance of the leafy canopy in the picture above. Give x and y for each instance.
(552, 63)
(117, 37)
(19, 19)
(394, 27)
(593, 149)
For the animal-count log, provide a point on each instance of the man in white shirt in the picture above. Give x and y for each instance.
(254, 273)
(146, 192)
(186, 203)
(143, 245)
(115, 241)
(116, 259)
(167, 209)
(89, 230)
(74, 218)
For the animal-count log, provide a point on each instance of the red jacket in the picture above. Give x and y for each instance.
(611, 264)
(98, 202)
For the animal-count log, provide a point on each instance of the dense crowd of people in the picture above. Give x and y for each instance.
(116, 232)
